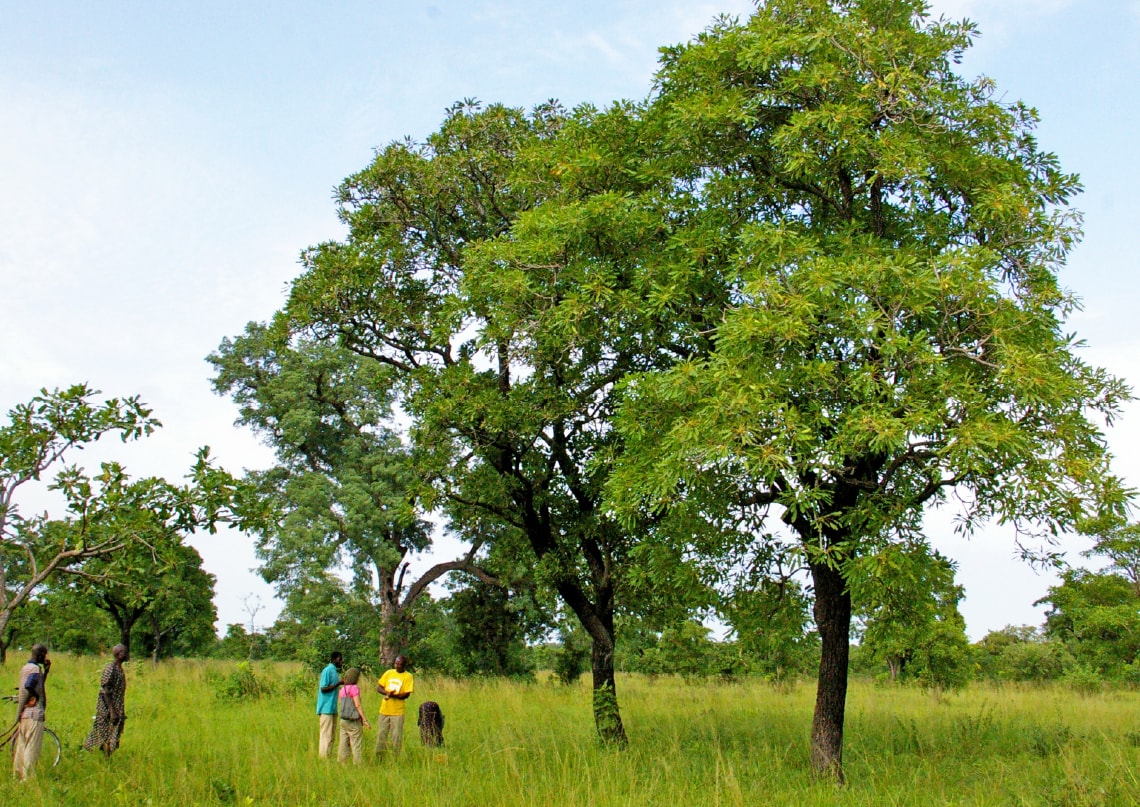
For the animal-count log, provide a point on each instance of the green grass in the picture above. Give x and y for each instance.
(507, 743)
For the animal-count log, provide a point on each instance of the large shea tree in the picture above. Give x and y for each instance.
(889, 235)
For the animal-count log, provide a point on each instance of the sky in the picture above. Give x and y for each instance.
(163, 164)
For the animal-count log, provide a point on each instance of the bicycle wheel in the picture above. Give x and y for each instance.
(52, 748)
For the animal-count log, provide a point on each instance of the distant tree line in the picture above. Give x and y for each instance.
(909, 633)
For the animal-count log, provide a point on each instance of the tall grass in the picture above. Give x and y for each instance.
(508, 743)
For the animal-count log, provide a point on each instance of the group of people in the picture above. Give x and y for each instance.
(31, 709)
(338, 704)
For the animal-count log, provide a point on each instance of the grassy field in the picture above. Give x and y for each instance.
(517, 744)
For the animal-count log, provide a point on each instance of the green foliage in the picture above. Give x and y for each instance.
(491, 326)
(686, 650)
(1044, 661)
(341, 496)
(490, 631)
(322, 616)
(154, 590)
(38, 436)
(64, 623)
(244, 683)
(813, 278)
(1083, 680)
(975, 730)
(875, 194)
(1120, 544)
(110, 517)
(771, 620)
(239, 644)
(875, 242)
(430, 636)
(1097, 617)
(607, 714)
(1020, 654)
(907, 602)
(683, 650)
(298, 684)
(571, 656)
(477, 631)
(1049, 739)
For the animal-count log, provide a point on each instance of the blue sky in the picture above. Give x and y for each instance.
(162, 165)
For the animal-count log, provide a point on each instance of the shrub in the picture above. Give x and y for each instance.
(1032, 661)
(1083, 680)
(569, 663)
(245, 684)
(299, 684)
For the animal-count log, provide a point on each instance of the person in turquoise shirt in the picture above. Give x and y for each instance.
(327, 702)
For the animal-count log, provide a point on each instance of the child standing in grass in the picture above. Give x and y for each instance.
(352, 719)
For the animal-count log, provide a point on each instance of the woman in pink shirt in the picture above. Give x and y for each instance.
(352, 719)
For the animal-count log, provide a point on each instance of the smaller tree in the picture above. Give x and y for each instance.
(181, 616)
(907, 602)
(107, 513)
(772, 622)
(340, 495)
(237, 643)
(64, 621)
(323, 614)
(1120, 544)
(492, 628)
(1020, 654)
(1097, 616)
(156, 581)
(41, 434)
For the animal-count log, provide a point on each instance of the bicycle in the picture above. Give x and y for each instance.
(51, 739)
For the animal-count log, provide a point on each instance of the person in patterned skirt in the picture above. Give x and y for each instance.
(110, 709)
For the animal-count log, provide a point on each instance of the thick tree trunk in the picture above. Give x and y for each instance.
(607, 714)
(598, 620)
(124, 618)
(392, 634)
(833, 619)
(596, 613)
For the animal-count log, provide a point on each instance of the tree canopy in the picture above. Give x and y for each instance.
(888, 235)
(509, 427)
(107, 513)
(805, 291)
(342, 495)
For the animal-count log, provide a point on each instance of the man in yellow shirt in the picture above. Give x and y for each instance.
(395, 685)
